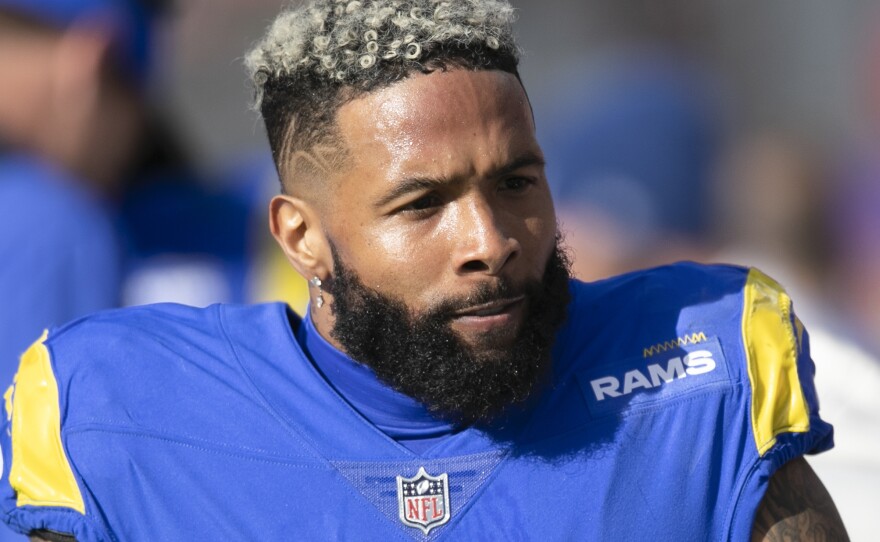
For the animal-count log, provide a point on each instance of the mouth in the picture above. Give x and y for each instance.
(492, 308)
(490, 316)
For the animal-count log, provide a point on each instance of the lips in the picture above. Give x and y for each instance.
(492, 308)
(501, 316)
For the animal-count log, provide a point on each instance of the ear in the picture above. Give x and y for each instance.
(295, 226)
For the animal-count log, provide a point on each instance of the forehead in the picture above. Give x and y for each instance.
(440, 121)
(422, 98)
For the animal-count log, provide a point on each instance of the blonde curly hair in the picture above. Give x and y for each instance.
(315, 57)
(349, 40)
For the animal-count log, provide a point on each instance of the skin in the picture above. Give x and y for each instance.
(797, 507)
(444, 166)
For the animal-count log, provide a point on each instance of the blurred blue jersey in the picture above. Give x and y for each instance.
(58, 252)
(676, 393)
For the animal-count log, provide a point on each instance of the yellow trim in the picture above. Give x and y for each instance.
(778, 403)
(693, 338)
(40, 474)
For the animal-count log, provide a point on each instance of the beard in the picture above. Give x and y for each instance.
(420, 355)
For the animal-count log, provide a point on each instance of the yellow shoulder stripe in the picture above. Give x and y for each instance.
(778, 403)
(40, 473)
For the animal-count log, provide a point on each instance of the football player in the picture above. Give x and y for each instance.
(449, 379)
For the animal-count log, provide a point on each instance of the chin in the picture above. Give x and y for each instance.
(491, 341)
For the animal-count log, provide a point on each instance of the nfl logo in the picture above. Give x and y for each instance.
(423, 500)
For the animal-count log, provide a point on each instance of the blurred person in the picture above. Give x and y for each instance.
(121, 155)
(70, 118)
(449, 378)
(852, 209)
(853, 202)
(199, 238)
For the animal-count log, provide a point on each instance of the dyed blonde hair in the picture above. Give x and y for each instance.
(315, 57)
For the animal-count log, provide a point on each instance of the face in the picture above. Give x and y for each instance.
(436, 246)
(445, 197)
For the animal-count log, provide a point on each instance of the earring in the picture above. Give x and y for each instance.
(316, 282)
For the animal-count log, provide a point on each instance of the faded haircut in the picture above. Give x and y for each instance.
(316, 57)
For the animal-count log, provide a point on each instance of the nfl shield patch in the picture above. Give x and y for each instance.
(423, 500)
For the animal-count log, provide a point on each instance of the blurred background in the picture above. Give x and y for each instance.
(744, 132)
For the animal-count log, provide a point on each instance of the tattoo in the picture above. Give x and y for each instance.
(797, 507)
(317, 160)
(50, 536)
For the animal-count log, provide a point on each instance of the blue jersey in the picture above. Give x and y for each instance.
(676, 393)
(58, 252)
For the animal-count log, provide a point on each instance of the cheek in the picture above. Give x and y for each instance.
(535, 228)
(540, 240)
(395, 248)
(398, 261)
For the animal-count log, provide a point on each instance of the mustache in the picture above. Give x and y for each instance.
(486, 292)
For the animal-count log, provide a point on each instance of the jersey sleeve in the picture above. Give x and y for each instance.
(784, 407)
(39, 488)
(783, 404)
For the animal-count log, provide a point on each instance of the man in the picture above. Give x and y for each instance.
(70, 119)
(449, 380)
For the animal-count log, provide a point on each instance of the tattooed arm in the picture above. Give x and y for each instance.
(797, 507)
(49, 536)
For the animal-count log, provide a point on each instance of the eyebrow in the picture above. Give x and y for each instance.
(415, 184)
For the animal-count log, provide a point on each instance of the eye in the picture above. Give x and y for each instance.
(423, 204)
(515, 184)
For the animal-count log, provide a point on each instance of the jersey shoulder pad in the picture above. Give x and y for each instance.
(40, 490)
(780, 370)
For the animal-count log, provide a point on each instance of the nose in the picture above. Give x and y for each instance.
(483, 243)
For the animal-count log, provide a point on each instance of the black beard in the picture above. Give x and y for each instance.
(421, 356)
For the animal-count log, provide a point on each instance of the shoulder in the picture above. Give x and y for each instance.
(146, 338)
(686, 293)
(705, 352)
(130, 366)
(675, 285)
(151, 372)
(111, 332)
(657, 335)
(625, 315)
(688, 328)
